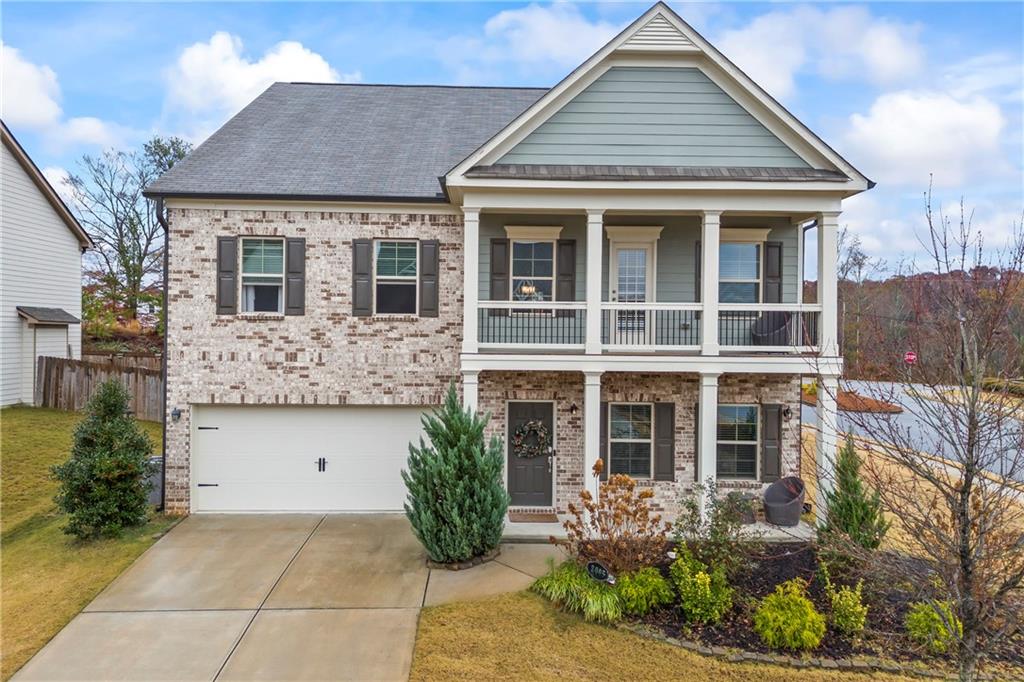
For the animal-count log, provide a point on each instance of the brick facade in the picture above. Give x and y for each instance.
(325, 357)
(566, 389)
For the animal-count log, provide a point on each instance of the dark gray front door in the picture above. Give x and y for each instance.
(529, 478)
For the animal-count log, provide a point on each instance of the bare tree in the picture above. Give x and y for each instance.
(949, 470)
(107, 198)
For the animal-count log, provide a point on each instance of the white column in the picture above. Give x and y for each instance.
(828, 282)
(799, 226)
(595, 245)
(826, 440)
(709, 282)
(591, 429)
(470, 279)
(707, 439)
(470, 389)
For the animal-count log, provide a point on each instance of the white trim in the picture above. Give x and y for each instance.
(284, 205)
(533, 233)
(241, 308)
(539, 305)
(594, 277)
(756, 441)
(554, 450)
(633, 233)
(553, 277)
(470, 280)
(744, 234)
(649, 441)
(745, 363)
(398, 279)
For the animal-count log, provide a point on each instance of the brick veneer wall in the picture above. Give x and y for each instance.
(325, 357)
(566, 388)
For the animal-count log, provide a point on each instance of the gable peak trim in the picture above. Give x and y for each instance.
(659, 34)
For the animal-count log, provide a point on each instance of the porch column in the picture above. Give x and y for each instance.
(707, 438)
(470, 277)
(826, 441)
(595, 259)
(828, 285)
(591, 429)
(709, 282)
(470, 389)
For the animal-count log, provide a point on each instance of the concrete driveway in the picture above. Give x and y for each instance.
(271, 597)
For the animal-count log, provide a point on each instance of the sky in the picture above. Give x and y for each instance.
(910, 93)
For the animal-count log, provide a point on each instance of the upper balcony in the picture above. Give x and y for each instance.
(654, 285)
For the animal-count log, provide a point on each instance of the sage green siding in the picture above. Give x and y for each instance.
(492, 226)
(653, 116)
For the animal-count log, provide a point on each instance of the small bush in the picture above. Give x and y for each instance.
(717, 542)
(934, 625)
(618, 529)
(704, 594)
(849, 613)
(643, 591)
(103, 487)
(569, 586)
(786, 619)
(853, 512)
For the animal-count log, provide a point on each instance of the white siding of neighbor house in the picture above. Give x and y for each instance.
(653, 116)
(40, 265)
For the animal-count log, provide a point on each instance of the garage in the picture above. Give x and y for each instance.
(296, 459)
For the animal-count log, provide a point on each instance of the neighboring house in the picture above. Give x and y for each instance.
(618, 259)
(41, 247)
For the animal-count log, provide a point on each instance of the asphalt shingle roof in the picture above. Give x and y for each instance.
(576, 172)
(310, 140)
(47, 315)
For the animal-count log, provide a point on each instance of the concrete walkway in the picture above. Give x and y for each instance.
(272, 597)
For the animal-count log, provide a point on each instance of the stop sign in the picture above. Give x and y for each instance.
(910, 357)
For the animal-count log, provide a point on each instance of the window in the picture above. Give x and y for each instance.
(739, 272)
(737, 441)
(533, 270)
(396, 269)
(262, 275)
(630, 436)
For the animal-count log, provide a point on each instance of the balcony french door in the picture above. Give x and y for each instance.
(632, 281)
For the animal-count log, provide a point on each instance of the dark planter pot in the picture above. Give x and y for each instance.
(784, 501)
(155, 493)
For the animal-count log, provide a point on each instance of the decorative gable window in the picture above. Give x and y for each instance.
(262, 275)
(737, 441)
(739, 272)
(630, 440)
(396, 277)
(533, 270)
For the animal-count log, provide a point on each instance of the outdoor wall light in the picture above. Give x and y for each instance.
(573, 409)
(175, 414)
(787, 413)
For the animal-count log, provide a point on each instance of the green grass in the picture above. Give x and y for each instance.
(48, 577)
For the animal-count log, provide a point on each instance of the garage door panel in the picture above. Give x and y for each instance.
(266, 458)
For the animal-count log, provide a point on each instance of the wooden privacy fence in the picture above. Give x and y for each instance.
(68, 384)
(124, 360)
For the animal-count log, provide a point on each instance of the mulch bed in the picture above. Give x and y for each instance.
(775, 563)
(848, 401)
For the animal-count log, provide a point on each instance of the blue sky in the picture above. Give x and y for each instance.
(901, 89)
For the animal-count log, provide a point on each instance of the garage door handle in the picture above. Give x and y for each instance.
(321, 464)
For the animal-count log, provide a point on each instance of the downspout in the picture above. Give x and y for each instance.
(159, 206)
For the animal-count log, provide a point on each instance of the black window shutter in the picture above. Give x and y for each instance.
(429, 267)
(696, 442)
(771, 442)
(500, 286)
(295, 277)
(227, 275)
(604, 443)
(565, 274)
(664, 441)
(773, 272)
(696, 272)
(362, 277)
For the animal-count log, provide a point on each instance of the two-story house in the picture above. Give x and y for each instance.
(618, 259)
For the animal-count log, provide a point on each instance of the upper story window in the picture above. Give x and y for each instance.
(630, 439)
(737, 441)
(262, 275)
(396, 270)
(739, 272)
(533, 270)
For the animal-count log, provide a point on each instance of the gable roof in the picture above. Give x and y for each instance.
(44, 186)
(345, 142)
(37, 315)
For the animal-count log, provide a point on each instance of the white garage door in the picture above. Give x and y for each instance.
(301, 458)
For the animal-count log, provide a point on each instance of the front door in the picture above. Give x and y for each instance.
(632, 282)
(529, 471)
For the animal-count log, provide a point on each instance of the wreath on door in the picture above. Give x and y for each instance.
(531, 439)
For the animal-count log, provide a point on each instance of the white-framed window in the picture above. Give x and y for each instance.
(396, 276)
(262, 275)
(630, 439)
(533, 270)
(739, 272)
(738, 441)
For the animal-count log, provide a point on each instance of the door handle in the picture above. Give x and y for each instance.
(321, 464)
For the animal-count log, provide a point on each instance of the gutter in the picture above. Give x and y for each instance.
(257, 196)
(159, 207)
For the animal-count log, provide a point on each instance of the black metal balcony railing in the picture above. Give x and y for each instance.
(532, 324)
(651, 325)
(768, 326)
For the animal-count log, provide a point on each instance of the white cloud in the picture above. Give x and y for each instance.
(57, 177)
(842, 43)
(31, 99)
(996, 74)
(908, 134)
(212, 80)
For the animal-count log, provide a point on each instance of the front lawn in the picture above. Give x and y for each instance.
(522, 637)
(48, 577)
